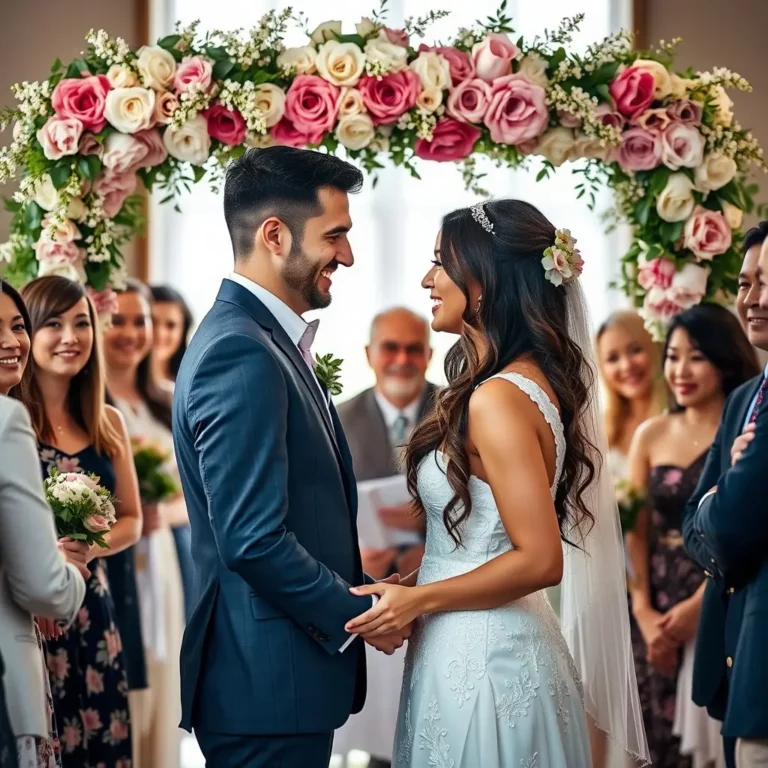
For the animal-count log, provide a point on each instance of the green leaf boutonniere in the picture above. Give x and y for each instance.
(327, 369)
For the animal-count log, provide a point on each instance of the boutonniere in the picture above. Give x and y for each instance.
(327, 369)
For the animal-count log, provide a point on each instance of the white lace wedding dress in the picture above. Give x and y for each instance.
(495, 688)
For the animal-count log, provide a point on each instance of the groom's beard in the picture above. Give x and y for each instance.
(301, 275)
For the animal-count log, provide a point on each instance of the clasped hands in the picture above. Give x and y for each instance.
(664, 633)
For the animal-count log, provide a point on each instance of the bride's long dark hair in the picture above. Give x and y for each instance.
(521, 313)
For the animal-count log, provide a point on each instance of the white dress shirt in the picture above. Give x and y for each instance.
(391, 412)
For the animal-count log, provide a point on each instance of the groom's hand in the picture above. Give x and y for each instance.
(389, 643)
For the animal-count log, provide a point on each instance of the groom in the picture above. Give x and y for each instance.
(267, 669)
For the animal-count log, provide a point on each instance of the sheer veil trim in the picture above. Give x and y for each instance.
(594, 611)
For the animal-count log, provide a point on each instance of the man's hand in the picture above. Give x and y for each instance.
(741, 442)
(681, 621)
(389, 643)
(410, 560)
(376, 562)
(403, 517)
(75, 552)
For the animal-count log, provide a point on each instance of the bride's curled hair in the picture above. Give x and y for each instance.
(521, 313)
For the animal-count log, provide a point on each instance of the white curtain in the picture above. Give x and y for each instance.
(395, 224)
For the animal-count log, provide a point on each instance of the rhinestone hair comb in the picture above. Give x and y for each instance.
(479, 215)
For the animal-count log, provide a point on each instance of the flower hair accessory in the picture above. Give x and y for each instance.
(479, 215)
(562, 262)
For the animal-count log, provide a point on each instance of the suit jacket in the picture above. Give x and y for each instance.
(728, 536)
(268, 483)
(35, 580)
(368, 436)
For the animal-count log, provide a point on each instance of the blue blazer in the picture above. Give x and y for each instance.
(728, 536)
(268, 482)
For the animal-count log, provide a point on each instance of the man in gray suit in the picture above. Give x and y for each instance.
(380, 420)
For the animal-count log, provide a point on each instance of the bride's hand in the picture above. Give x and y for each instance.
(397, 608)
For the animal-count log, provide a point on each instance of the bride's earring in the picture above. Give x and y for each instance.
(477, 309)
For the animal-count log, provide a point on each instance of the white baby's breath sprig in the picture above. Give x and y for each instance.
(579, 103)
(15, 243)
(375, 68)
(244, 98)
(192, 102)
(418, 120)
(106, 49)
(720, 76)
(187, 35)
(615, 47)
(34, 99)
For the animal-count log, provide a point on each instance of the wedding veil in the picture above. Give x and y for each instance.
(594, 614)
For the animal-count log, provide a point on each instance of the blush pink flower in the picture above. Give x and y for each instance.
(96, 524)
(94, 681)
(193, 71)
(67, 464)
(286, 133)
(391, 96)
(493, 56)
(312, 105)
(60, 251)
(686, 111)
(156, 151)
(609, 116)
(396, 36)
(58, 665)
(115, 187)
(91, 720)
(707, 234)
(71, 736)
(469, 101)
(104, 302)
(451, 140)
(82, 99)
(656, 273)
(60, 137)
(459, 62)
(640, 150)
(123, 152)
(90, 145)
(632, 91)
(225, 125)
(518, 110)
(118, 728)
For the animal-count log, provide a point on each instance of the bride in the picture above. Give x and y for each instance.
(508, 471)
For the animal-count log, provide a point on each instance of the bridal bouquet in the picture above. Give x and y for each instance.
(155, 484)
(630, 502)
(83, 509)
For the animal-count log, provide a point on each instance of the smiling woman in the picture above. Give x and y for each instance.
(14, 338)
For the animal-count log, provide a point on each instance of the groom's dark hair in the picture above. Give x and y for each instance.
(282, 182)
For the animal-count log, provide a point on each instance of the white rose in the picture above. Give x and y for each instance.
(191, 142)
(355, 131)
(130, 109)
(270, 99)
(433, 70)
(682, 146)
(679, 86)
(429, 99)
(715, 172)
(71, 270)
(301, 60)
(556, 145)
(351, 102)
(120, 76)
(340, 63)
(661, 76)
(365, 27)
(326, 31)
(156, 67)
(393, 58)
(46, 195)
(723, 107)
(534, 67)
(689, 285)
(676, 201)
(733, 215)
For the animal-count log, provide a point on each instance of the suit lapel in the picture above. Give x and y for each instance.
(740, 412)
(380, 448)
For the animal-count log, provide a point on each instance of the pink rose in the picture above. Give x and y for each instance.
(608, 116)
(460, 63)
(493, 56)
(286, 133)
(312, 104)
(469, 101)
(58, 251)
(82, 99)
(90, 145)
(686, 111)
(396, 36)
(193, 71)
(79, 477)
(682, 146)
(633, 91)
(657, 273)
(156, 151)
(689, 286)
(225, 125)
(389, 97)
(653, 120)
(518, 110)
(115, 187)
(123, 152)
(658, 306)
(60, 136)
(707, 234)
(96, 524)
(640, 150)
(451, 140)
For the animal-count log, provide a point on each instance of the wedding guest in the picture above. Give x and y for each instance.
(172, 325)
(378, 422)
(706, 357)
(146, 408)
(726, 531)
(76, 431)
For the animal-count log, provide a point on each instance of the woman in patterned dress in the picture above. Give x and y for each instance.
(706, 356)
(77, 431)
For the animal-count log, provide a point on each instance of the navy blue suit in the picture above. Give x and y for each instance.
(728, 536)
(268, 483)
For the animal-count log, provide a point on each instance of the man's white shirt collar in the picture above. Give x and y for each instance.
(390, 412)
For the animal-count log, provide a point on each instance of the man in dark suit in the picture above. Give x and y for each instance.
(378, 422)
(267, 668)
(726, 531)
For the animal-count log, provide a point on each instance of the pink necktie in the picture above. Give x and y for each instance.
(305, 344)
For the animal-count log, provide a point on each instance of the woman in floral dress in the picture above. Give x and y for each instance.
(77, 431)
(706, 356)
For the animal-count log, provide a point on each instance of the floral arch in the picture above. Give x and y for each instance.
(169, 115)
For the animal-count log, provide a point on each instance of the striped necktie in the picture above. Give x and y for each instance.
(759, 401)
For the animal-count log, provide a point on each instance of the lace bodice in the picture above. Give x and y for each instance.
(483, 534)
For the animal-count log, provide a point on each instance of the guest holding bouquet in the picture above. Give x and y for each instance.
(78, 433)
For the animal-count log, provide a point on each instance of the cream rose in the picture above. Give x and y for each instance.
(661, 76)
(715, 172)
(676, 201)
(166, 103)
(679, 86)
(326, 31)
(300, 60)
(556, 145)
(130, 109)
(429, 99)
(46, 195)
(120, 76)
(734, 216)
(66, 231)
(593, 149)
(355, 131)
(351, 102)
(340, 63)
(393, 58)
(156, 67)
(191, 142)
(77, 210)
(366, 27)
(723, 107)
(534, 67)
(72, 270)
(270, 99)
(433, 70)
